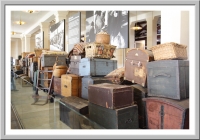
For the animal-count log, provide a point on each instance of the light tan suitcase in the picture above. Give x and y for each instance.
(70, 85)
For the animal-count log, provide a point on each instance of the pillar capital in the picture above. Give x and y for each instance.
(60, 15)
(28, 35)
(44, 25)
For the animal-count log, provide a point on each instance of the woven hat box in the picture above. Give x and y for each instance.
(169, 51)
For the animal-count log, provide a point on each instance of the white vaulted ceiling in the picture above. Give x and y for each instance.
(31, 21)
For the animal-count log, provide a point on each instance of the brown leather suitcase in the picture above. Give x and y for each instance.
(140, 93)
(135, 65)
(110, 95)
(70, 85)
(57, 85)
(163, 113)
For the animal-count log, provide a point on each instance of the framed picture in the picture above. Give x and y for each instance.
(57, 36)
(115, 23)
(39, 40)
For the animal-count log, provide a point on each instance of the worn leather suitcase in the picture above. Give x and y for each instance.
(57, 86)
(163, 113)
(140, 93)
(94, 67)
(74, 64)
(122, 118)
(49, 60)
(135, 65)
(110, 95)
(70, 85)
(88, 80)
(70, 108)
(168, 78)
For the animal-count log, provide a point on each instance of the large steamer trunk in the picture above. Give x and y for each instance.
(88, 80)
(135, 65)
(169, 79)
(110, 95)
(49, 60)
(70, 108)
(163, 113)
(94, 67)
(122, 118)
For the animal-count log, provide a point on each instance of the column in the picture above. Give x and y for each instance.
(60, 15)
(151, 31)
(23, 43)
(27, 43)
(44, 26)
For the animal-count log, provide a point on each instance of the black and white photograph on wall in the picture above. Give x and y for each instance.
(115, 23)
(57, 39)
(39, 40)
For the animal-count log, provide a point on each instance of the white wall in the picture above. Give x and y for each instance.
(16, 48)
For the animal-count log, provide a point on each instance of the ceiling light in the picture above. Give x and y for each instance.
(30, 11)
(13, 33)
(136, 27)
(20, 22)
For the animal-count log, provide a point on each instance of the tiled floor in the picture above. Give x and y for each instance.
(34, 116)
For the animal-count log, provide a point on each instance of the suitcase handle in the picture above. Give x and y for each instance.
(162, 74)
(65, 86)
(129, 121)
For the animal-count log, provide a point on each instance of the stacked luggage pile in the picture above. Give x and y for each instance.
(155, 95)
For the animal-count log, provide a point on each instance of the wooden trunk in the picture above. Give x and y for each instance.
(70, 85)
(99, 50)
(140, 93)
(86, 81)
(122, 118)
(163, 113)
(135, 66)
(168, 78)
(70, 107)
(110, 95)
(57, 85)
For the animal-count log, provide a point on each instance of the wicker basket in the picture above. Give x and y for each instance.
(59, 70)
(102, 38)
(169, 51)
